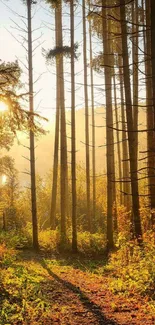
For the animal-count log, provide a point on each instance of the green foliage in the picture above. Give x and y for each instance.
(87, 243)
(54, 3)
(22, 298)
(15, 118)
(16, 239)
(91, 243)
(63, 51)
(133, 267)
(49, 240)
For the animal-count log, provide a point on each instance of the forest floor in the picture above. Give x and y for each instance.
(39, 289)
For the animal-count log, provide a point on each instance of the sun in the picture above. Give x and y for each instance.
(3, 107)
(4, 179)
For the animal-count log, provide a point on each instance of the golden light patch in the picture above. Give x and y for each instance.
(3, 107)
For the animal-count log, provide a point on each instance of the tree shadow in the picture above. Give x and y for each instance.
(77, 261)
(87, 303)
(4, 294)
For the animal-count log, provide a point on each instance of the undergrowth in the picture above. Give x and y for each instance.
(21, 300)
(130, 271)
(132, 268)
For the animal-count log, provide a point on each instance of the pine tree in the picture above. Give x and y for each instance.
(73, 133)
(130, 126)
(32, 146)
(86, 117)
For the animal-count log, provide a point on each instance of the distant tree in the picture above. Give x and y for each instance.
(7, 168)
(8, 191)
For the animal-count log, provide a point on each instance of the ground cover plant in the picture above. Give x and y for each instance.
(51, 287)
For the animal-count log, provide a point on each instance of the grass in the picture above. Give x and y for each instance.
(41, 288)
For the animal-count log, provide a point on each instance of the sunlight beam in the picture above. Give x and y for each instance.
(3, 107)
(4, 179)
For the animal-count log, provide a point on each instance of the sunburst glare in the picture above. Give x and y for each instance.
(3, 107)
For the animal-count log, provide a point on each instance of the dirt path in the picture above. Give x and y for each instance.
(76, 297)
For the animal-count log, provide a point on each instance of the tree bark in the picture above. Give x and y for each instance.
(118, 142)
(56, 142)
(130, 129)
(153, 93)
(32, 149)
(63, 139)
(135, 43)
(93, 124)
(125, 154)
(86, 117)
(109, 131)
(73, 133)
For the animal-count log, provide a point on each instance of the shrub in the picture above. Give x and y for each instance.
(91, 243)
(16, 239)
(134, 267)
(49, 239)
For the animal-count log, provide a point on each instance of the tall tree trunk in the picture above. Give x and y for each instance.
(125, 155)
(56, 143)
(86, 117)
(135, 43)
(150, 110)
(93, 123)
(153, 92)
(130, 130)
(32, 149)
(63, 139)
(109, 125)
(118, 141)
(73, 132)
(111, 63)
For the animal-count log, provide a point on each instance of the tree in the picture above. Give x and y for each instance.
(8, 169)
(86, 116)
(56, 143)
(130, 127)
(135, 44)
(32, 145)
(8, 191)
(73, 133)
(109, 125)
(14, 118)
(63, 138)
(150, 110)
(125, 153)
(152, 12)
(93, 121)
(58, 52)
(118, 139)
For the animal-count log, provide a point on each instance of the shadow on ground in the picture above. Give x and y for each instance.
(76, 261)
(93, 308)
